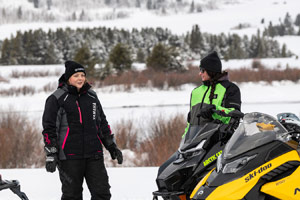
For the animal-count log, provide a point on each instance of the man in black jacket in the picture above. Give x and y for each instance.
(75, 127)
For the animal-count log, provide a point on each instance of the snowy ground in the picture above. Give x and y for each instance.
(126, 183)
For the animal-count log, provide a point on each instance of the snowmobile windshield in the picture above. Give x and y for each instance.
(256, 129)
(198, 133)
(287, 115)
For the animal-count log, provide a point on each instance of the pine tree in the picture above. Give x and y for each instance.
(82, 16)
(287, 20)
(196, 39)
(297, 21)
(5, 52)
(19, 13)
(120, 58)
(83, 56)
(159, 58)
(137, 3)
(192, 8)
(140, 56)
(50, 56)
(17, 52)
(74, 16)
(49, 4)
(284, 51)
(36, 3)
(149, 5)
(271, 30)
(107, 2)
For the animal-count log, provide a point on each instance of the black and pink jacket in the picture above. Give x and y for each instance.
(74, 122)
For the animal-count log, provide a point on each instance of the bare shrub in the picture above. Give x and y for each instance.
(3, 80)
(23, 90)
(49, 87)
(126, 135)
(27, 74)
(150, 77)
(20, 142)
(163, 141)
(256, 64)
(264, 74)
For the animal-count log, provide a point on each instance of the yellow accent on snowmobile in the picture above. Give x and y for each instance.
(287, 188)
(202, 182)
(237, 189)
(265, 127)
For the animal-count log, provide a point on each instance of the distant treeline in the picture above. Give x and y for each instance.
(286, 27)
(53, 47)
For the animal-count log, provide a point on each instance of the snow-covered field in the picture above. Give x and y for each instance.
(126, 183)
(141, 104)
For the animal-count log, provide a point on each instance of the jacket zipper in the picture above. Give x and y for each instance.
(80, 116)
(202, 102)
(80, 119)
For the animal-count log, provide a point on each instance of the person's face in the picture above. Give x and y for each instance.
(77, 80)
(203, 74)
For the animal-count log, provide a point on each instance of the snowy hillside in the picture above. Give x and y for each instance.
(76, 10)
(226, 16)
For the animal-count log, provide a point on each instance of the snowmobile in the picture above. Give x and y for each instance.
(196, 155)
(260, 161)
(288, 118)
(14, 186)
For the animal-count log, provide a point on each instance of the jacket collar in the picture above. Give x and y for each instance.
(223, 78)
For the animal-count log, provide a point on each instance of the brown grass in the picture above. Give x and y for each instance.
(149, 77)
(20, 142)
(16, 91)
(27, 74)
(163, 140)
(162, 80)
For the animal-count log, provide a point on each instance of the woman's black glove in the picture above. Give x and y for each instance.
(51, 159)
(207, 111)
(51, 162)
(115, 153)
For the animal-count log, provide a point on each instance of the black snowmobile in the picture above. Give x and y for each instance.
(14, 186)
(197, 155)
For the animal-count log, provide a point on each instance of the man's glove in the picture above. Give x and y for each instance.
(115, 153)
(51, 159)
(207, 112)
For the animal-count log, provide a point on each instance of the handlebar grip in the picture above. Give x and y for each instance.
(234, 113)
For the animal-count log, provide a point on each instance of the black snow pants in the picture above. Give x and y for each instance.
(72, 173)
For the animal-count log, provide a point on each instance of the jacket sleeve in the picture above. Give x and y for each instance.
(233, 98)
(231, 101)
(49, 121)
(188, 119)
(104, 132)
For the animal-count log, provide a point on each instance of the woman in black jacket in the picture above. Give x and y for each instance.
(75, 127)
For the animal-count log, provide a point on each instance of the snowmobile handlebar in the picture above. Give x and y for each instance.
(233, 114)
(14, 186)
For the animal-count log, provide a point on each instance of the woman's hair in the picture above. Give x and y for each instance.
(214, 78)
